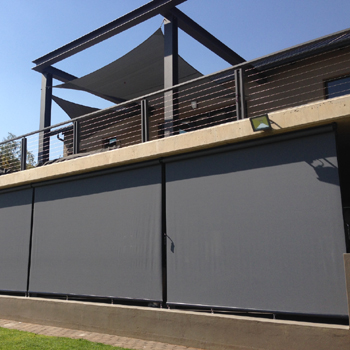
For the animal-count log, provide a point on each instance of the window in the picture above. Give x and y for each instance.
(338, 87)
(111, 142)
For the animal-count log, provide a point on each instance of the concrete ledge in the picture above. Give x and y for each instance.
(205, 331)
(314, 114)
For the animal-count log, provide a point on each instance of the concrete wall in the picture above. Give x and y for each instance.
(248, 215)
(198, 330)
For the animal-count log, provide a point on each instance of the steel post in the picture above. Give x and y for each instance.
(45, 118)
(171, 74)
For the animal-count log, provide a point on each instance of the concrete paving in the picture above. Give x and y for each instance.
(114, 340)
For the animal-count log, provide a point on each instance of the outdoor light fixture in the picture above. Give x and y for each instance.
(260, 123)
(194, 104)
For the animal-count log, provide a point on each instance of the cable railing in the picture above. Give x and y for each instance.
(296, 83)
(230, 95)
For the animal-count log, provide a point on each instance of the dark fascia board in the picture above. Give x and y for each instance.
(203, 36)
(119, 25)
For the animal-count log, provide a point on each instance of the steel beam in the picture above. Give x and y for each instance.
(209, 41)
(171, 73)
(59, 74)
(203, 36)
(119, 25)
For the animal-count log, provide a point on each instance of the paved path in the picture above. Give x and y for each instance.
(114, 340)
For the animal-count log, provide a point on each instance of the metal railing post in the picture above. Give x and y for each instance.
(24, 153)
(76, 136)
(237, 88)
(144, 121)
(239, 94)
(242, 95)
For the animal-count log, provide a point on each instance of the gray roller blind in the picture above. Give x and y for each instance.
(99, 236)
(258, 228)
(15, 225)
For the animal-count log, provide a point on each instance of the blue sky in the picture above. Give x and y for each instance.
(30, 29)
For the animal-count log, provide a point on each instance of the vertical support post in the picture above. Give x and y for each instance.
(76, 136)
(144, 121)
(45, 118)
(240, 96)
(24, 154)
(171, 74)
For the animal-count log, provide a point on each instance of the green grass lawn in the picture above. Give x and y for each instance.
(11, 339)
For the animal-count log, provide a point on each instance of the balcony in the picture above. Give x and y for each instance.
(273, 83)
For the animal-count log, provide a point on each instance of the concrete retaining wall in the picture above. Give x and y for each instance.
(205, 331)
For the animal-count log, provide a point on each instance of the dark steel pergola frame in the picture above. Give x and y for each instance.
(174, 19)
